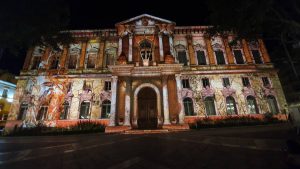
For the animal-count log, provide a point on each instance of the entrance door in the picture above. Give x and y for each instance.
(147, 109)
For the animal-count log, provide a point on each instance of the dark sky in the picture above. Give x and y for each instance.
(97, 14)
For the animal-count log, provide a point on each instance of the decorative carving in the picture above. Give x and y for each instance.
(228, 91)
(207, 92)
(268, 90)
(105, 95)
(186, 93)
(248, 91)
(86, 95)
(69, 96)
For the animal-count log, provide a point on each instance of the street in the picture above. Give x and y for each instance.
(244, 147)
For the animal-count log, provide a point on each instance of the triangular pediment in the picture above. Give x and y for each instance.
(145, 19)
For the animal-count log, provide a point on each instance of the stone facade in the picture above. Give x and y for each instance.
(104, 74)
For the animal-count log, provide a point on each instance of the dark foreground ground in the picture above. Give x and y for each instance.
(257, 147)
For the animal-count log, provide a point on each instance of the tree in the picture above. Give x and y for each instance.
(33, 22)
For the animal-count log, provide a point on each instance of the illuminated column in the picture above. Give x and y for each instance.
(101, 54)
(120, 46)
(28, 59)
(229, 54)
(127, 102)
(166, 100)
(181, 113)
(82, 56)
(161, 48)
(192, 58)
(210, 51)
(112, 120)
(246, 51)
(64, 57)
(130, 49)
(171, 44)
(264, 52)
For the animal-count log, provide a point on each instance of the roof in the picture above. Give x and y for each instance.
(145, 15)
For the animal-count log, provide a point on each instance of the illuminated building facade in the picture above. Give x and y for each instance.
(146, 73)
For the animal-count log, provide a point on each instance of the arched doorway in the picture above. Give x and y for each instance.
(147, 109)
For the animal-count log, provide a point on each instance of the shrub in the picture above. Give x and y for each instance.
(40, 129)
(232, 121)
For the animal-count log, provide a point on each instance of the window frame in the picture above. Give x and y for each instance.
(187, 101)
(185, 83)
(242, 55)
(223, 82)
(245, 77)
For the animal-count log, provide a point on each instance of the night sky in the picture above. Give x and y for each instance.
(94, 14)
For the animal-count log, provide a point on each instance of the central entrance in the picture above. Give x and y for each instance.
(147, 109)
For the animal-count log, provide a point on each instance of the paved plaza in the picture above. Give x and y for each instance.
(245, 147)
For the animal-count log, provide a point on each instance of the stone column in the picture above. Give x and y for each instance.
(171, 44)
(28, 59)
(64, 57)
(161, 48)
(181, 113)
(191, 51)
(228, 50)
(112, 120)
(246, 52)
(166, 100)
(120, 46)
(127, 102)
(101, 54)
(210, 51)
(130, 49)
(264, 52)
(82, 55)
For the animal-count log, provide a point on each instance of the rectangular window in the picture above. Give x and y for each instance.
(91, 61)
(201, 57)
(226, 82)
(265, 81)
(238, 56)
(35, 63)
(256, 56)
(4, 93)
(220, 57)
(72, 61)
(205, 82)
(182, 57)
(55, 62)
(107, 86)
(246, 82)
(185, 83)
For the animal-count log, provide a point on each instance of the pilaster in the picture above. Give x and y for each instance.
(247, 52)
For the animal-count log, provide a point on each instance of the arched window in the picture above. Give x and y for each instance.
(54, 59)
(252, 106)
(210, 106)
(84, 110)
(146, 50)
(42, 114)
(23, 111)
(181, 54)
(65, 112)
(105, 113)
(111, 56)
(188, 106)
(273, 104)
(74, 54)
(92, 52)
(230, 106)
